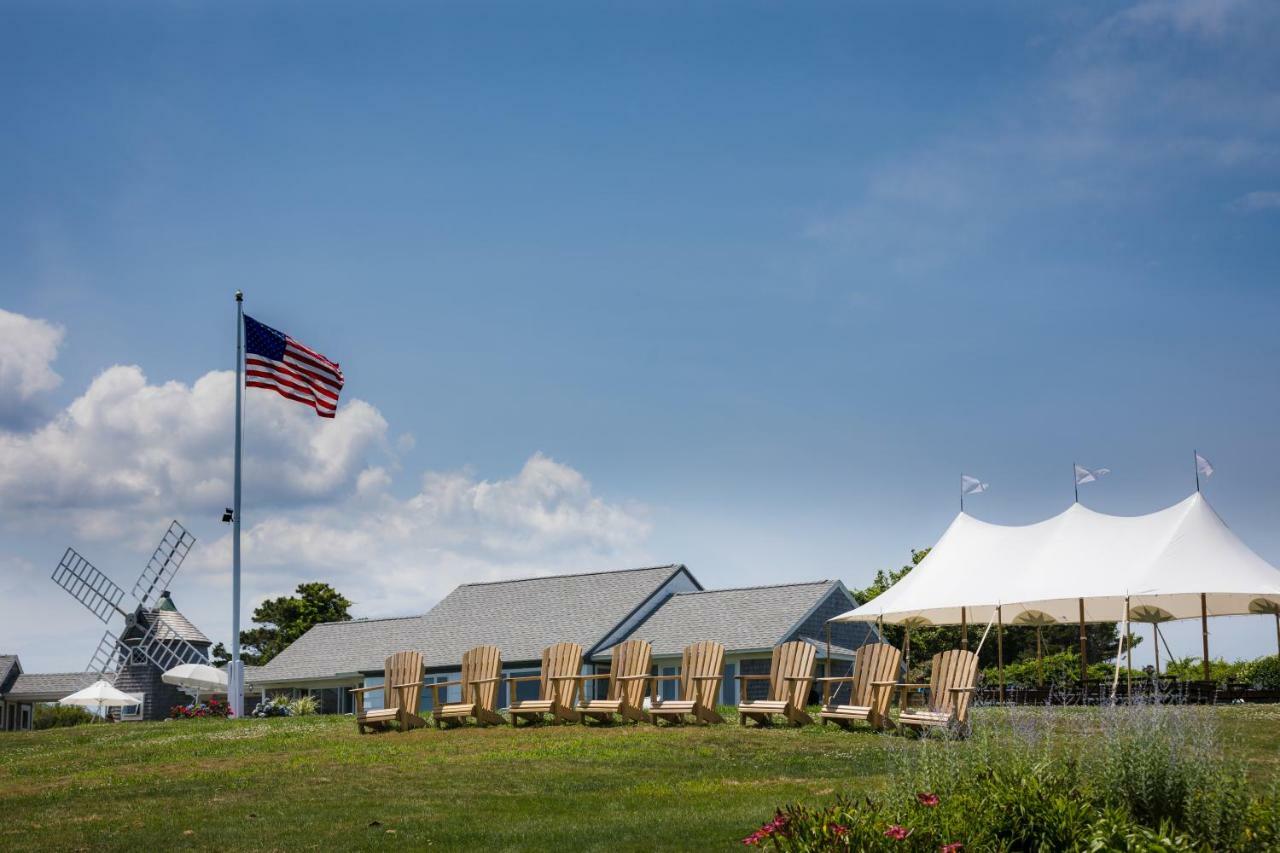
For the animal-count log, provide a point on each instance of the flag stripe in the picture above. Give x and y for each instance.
(291, 373)
(277, 362)
(302, 390)
(324, 413)
(309, 369)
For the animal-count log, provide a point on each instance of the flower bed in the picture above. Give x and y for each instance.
(204, 710)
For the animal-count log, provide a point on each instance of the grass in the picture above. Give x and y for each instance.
(313, 783)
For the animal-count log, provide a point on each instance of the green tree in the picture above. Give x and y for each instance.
(1019, 642)
(282, 620)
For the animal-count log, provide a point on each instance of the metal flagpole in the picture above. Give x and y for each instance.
(235, 674)
(1195, 460)
(1075, 478)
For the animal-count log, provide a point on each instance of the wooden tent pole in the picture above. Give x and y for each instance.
(1204, 632)
(1039, 659)
(906, 645)
(1084, 649)
(1128, 654)
(1278, 633)
(1155, 641)
(1000, 648)
(964, 628)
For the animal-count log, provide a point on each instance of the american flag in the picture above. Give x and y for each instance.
(274, 360)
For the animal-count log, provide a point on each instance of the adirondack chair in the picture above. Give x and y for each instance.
(790, 677)
(698, 685)
(557, 686)
(951, 686)
(875, 672)
(481, 674)
(401, 688)
(627, 675)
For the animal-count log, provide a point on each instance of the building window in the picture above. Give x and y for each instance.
(525, 690)
(669, 686)
(134, 712)
(728, 687)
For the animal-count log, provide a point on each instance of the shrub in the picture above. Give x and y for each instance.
(1060, 670)
(60, 716)
(1139, 778)
(213, 709)
(273, 708)
(304, 706)
(1264, 673)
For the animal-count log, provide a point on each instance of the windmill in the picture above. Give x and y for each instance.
(145, 636)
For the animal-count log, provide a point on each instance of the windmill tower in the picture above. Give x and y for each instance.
(155, 637)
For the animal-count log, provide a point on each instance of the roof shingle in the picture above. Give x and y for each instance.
(521, 617)
(49, 686)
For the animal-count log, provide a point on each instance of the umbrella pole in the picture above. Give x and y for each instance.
(1000, 648)
(1084, 649)
(964, 628)
(1204, 633)
(1039, 659)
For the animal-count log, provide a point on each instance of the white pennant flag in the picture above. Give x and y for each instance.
(971, 485)
(1203, 468)
(1089, 475)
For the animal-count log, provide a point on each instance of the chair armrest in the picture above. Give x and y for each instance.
(484, 680)
(634, 677)
(884, 684)
(704, 677)
(410, 684)
(797, 678)
(443, 684)
(524, 678)
(961, 689)
(366, 689)
(834, 678)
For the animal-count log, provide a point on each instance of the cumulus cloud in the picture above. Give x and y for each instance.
(128, 451)
(28, 348)
(1256, 201)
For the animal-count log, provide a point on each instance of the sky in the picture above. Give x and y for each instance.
(744, 286)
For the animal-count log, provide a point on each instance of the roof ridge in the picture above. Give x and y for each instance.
(672, 566)
(364, 619)
(822, 582)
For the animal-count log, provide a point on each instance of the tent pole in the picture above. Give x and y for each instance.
(1039, 660)
(1204, 633)
(964, 628)
(1084, 649)
(1155, 641)
(906, 646)
(1278, 633)
(1128, 655)
(1000, 648)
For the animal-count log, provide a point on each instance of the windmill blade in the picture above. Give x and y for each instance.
(165, 648)
(97, 592)
(163, 565)
(107, 657)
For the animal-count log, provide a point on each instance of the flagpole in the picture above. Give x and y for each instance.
(235, 680)
(1075, 478)
(1195, 460)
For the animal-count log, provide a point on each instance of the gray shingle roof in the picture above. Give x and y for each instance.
(756, 617)
(9, 669)
(48, 686)
(174, 623)
(521, 617)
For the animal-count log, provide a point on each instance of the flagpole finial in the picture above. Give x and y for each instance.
(239, 296)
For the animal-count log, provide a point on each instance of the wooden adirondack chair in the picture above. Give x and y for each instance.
(627, 675)
(481, 674)
(875, 672)
(951, 686)
(790, 677)
(401, 688)
(557, 686)
(701, 671)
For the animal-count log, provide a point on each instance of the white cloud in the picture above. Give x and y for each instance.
(1256, 201)
(28, 348)
(128, 452)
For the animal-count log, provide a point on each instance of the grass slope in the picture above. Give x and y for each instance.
(313, 783)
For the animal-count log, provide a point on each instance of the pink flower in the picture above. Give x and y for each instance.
(929, 800)
(897, 832)
(953, 847)
(838, 829)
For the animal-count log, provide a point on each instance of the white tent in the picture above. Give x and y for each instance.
(1163, 563)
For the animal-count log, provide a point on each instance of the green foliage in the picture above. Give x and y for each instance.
(283, 620)
(1264, 672)
(1060, 670)
(1145, 779)
(60, 716)
(303, 706)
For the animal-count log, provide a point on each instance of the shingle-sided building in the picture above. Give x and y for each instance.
(663, 604)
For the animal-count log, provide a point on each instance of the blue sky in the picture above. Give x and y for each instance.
(744, 286)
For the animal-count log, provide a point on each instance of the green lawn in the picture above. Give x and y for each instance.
(313, 783)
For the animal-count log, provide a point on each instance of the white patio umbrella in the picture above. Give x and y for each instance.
(100, 694)
(197, 675)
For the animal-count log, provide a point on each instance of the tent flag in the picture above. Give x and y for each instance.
(1203, 469)
(1089, 475)
(970, 486)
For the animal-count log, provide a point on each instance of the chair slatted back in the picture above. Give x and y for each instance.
(792, 660)
(952, 668)
(629, 658)
(479, 663)
(560, 659)
(700, 659)
(876, 662)
(402, 668)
